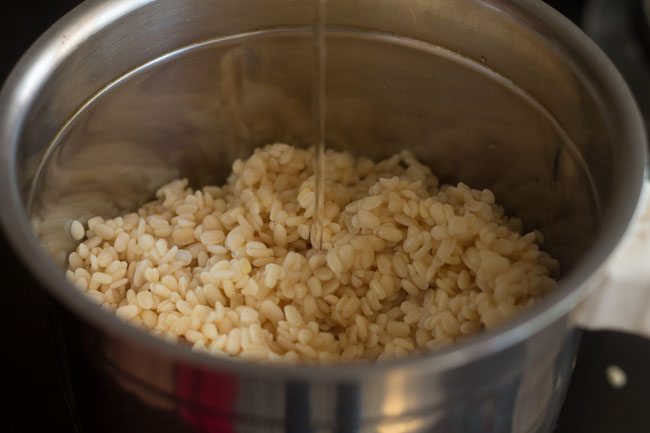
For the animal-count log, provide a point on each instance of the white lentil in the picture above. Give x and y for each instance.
(408, 264)
(145, 300)
(398, 329)
(77, 230)
(127, 312)
(293, 315)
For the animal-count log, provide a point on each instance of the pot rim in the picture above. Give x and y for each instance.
(33, 69)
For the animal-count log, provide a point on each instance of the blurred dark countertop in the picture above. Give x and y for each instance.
(34, 400)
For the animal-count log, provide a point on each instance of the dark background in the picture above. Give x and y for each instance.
(33, 397)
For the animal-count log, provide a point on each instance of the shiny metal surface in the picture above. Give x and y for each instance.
(123, 95)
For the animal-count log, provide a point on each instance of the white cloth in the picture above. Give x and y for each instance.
(622, 301)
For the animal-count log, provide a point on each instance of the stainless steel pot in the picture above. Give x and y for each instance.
(122, 95)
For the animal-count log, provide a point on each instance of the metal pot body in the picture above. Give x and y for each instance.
(123, 387)
(123, 95)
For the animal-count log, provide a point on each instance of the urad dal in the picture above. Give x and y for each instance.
(406, 264)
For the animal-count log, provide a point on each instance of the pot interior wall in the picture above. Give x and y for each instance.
(191, 112)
